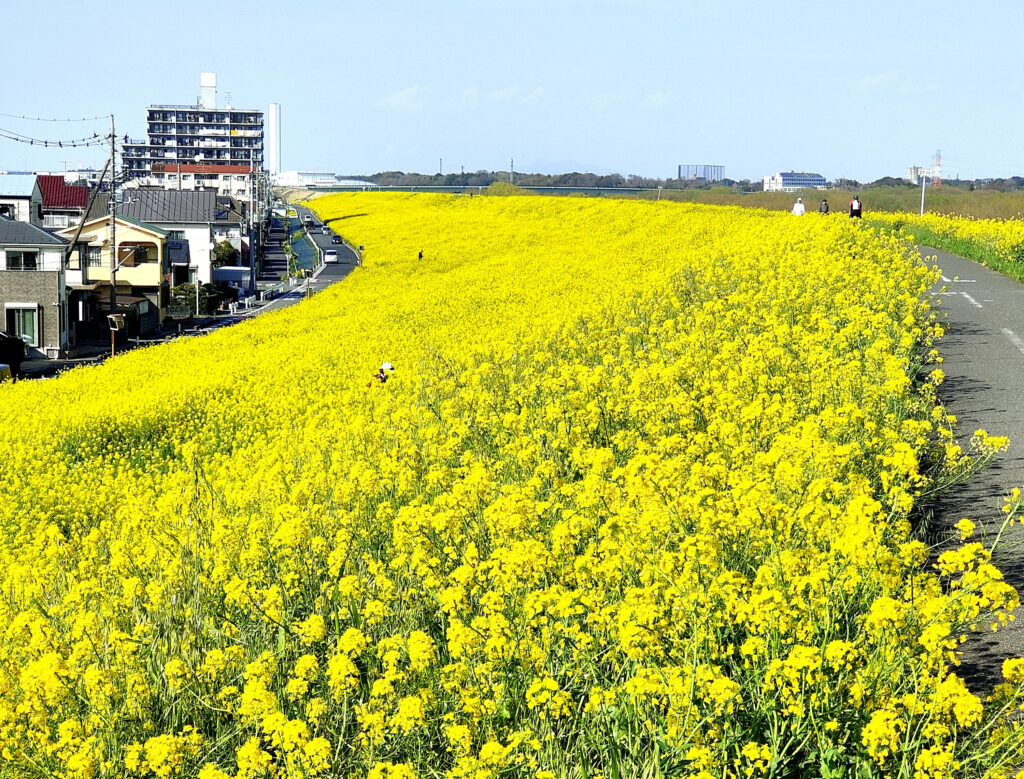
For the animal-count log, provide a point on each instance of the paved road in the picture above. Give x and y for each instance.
(983, 359)
(324, 240)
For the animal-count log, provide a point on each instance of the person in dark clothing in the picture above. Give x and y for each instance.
(823, 208)
(383, 374)
(855, 208)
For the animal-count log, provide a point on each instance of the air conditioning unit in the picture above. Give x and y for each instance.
(52, 352)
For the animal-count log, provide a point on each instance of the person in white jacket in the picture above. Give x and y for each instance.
(798, 206)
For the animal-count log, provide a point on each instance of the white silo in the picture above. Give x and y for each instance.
(274, 139)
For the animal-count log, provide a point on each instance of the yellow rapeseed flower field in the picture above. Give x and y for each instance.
(1002, 240)
(636, 500)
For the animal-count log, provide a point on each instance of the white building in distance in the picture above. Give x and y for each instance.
(791, 181)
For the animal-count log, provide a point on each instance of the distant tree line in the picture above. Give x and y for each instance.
(484, 178)
(576, 180)
(1011, 184)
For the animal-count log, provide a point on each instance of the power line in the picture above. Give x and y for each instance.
(42, 119)
(94, 140)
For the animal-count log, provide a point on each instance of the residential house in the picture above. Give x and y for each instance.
(138, 274)
(21, 198)
(195, 222)
(63, 203)
(33, 291)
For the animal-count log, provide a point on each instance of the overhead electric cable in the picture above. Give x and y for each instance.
(94, 140)
(42, 119)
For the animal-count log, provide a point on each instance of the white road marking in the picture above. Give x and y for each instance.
(965, 281)
(972, 301)
(1014, 339)
(945, 279)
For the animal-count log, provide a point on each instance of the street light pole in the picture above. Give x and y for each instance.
(924, 181)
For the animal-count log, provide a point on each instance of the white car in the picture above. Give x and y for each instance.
(330, 255)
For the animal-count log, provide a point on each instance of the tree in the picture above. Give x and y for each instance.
(185, 295)
(224, 254)
(891, 181)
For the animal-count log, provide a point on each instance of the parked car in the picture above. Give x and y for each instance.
(330, 255)
(12, 351)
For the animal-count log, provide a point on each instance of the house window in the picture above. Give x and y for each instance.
(176, 235)
(95, 256)
(22, 260)
(24, 323)
(132, 254)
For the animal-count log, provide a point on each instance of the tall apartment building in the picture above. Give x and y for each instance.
(202, 139)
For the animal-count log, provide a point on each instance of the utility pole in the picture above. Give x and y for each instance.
(113, 224)
(511, 169)
(252, 240)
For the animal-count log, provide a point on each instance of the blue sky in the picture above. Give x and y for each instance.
(857, 90)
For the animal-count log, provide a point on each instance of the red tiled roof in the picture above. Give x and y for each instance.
(174, 167)
(57, 193)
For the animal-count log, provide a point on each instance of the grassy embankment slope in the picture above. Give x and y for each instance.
(637, 499)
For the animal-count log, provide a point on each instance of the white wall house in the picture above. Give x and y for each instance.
(198, 218)
(21, 198)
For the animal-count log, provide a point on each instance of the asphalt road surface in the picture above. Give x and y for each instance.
(325, 241)
(983, 360)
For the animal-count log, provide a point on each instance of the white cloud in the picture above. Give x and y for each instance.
(656, 100)
(533, 96)
(877, 81)
(515, 95)
(598, 102)
(408, 101)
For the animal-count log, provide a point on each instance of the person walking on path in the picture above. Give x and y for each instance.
(798, 207)
(823, 208)
(855, 208)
